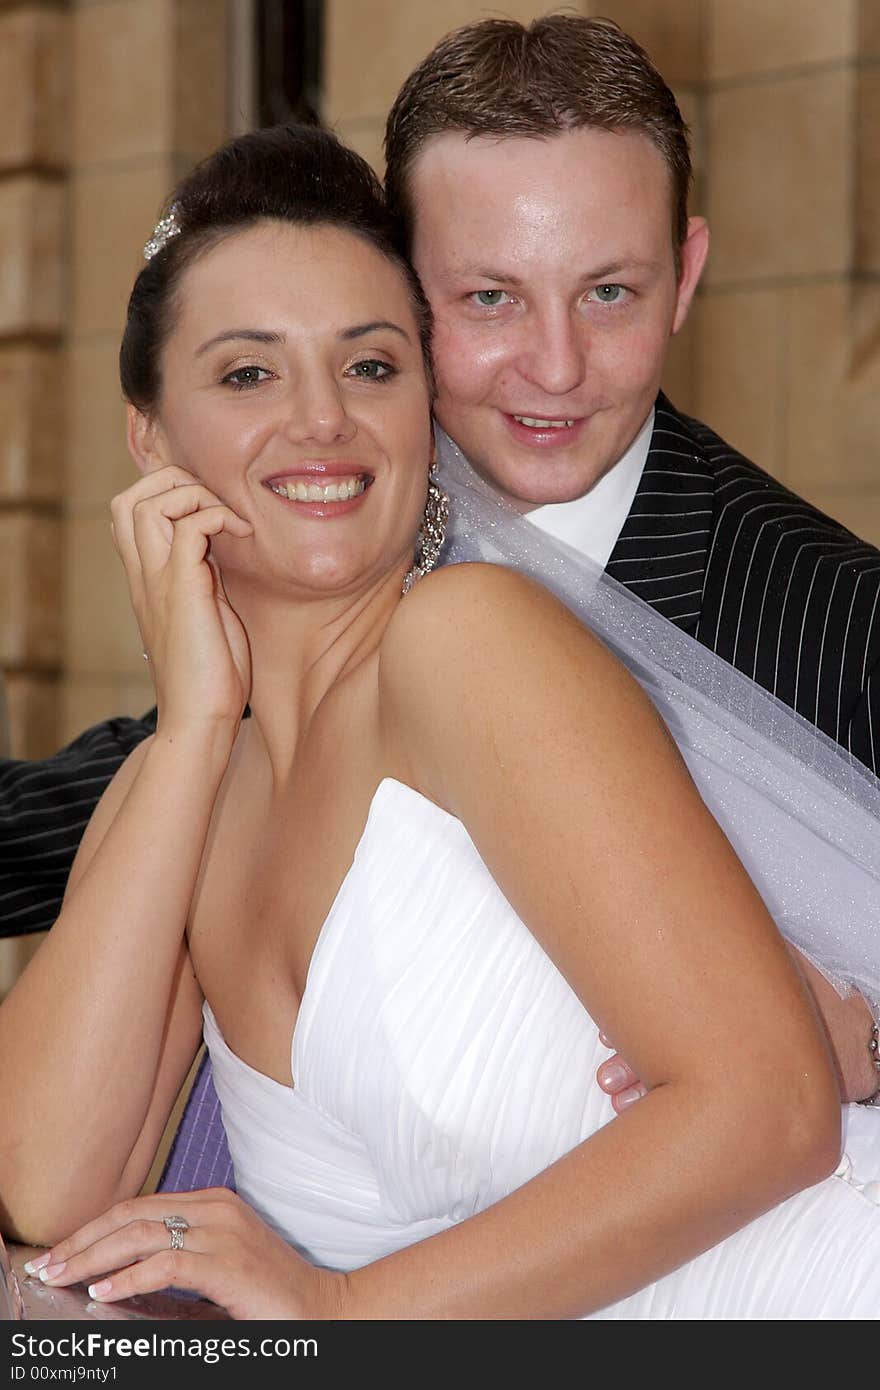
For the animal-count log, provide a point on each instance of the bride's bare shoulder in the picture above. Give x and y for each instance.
(468, 630)
(459, 602)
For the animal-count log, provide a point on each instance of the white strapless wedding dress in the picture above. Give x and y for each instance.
(440, 1060)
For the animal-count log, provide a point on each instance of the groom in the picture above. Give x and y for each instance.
(542, 175)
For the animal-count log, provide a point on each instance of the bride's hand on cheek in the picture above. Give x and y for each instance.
(228, 1256)
(197, 647)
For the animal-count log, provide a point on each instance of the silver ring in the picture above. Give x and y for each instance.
(177, 1225)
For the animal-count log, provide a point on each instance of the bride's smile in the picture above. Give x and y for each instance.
(293, 386)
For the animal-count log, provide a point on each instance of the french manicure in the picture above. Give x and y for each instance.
(52, 1271)
(629, 1097)
(37, 1263)
(100, 1289)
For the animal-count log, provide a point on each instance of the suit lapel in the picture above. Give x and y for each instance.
(662, 551)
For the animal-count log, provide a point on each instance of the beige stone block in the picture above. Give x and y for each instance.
(748, 37)
(122, 65)
(32, 255)
(867, 157)
(114, 212)
(98, 462)
(101, 635)
(673, 32)
(372, 45)
(32, 438)
(200, 62)
(780, 192)
(868, 23)
(816, 393)
(34, 68)
(88, 700)
(861, 410)
(33, 703)
(681, 378)
(859, 512)
(30, 573)
(692, 104)
(367, 138)
(739, 372)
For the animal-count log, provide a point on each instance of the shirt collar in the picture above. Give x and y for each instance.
(591, 524)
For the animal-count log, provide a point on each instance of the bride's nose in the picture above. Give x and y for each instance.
(315, 412)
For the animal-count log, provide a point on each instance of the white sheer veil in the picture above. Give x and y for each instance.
(802, 814)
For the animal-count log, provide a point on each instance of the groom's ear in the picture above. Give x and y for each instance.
(146, 443)
(692, 255)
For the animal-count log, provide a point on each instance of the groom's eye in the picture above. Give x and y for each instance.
(489, 299)
(607, 294)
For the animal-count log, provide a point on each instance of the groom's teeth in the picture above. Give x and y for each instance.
(536, 424)
(341, 491)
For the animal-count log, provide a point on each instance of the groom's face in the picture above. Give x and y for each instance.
(550, 267)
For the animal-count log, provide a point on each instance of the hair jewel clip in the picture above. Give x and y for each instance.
(166, 228)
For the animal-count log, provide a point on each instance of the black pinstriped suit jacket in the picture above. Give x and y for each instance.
(723, 550)
(752, 571)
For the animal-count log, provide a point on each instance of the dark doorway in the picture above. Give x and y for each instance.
(289, 58)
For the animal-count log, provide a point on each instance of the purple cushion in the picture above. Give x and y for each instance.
(199, 1155)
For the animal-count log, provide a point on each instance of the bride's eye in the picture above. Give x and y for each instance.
(244, 377)
(371, 369)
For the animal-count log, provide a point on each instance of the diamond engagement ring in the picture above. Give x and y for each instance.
(177, 1225)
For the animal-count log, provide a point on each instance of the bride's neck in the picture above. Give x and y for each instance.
(300, 651)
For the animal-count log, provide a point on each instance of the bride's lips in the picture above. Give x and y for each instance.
(321, 489)
(544, 431)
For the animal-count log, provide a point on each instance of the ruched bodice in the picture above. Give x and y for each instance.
(440, 1060)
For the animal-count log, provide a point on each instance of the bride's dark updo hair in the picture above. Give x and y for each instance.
(287, 173)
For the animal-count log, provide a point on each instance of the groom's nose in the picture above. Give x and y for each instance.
(554, 353)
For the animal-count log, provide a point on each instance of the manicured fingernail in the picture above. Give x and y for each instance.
(613, 1076)
(52, 1271)
(37, 1263)
(100, 1289)
(629, 1097)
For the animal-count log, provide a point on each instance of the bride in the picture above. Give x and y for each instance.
(452, 841)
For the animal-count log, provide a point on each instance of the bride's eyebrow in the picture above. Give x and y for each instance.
(250, 335)
(360, 329)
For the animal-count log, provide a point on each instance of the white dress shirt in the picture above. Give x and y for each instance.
(591, 524)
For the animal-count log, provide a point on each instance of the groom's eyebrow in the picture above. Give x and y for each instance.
(359, 330)
(250, 335)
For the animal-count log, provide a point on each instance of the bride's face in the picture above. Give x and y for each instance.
(293, 387)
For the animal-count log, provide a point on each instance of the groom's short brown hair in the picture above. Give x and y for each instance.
(501, 78)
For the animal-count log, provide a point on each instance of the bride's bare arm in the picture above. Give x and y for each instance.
(524, 727)
(97, 1035)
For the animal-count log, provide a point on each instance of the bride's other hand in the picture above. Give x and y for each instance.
(618, 1080)
(228, 1256)
(848, 1022)
(195, 643)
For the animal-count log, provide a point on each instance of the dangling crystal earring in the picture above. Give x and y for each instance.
(432, 532)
